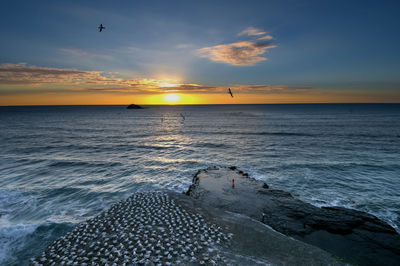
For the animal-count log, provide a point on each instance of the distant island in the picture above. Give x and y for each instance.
(134, 106)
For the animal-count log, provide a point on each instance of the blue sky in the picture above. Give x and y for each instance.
(329, 45)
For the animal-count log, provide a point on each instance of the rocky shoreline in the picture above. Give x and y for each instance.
(356, 236)
(218, 221)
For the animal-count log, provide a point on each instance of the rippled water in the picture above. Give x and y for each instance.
(61, 165)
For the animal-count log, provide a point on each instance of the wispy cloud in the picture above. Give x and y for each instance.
(271, 89)
(242, 53)
(24, 74)
(32, 75)
(35, 79)
(250, 31)
(266, 37)
(204, 89)
(36, 76)
(83, 53)
(183, 46)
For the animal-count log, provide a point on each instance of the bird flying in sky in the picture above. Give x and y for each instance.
(101, 28)
(230, 92)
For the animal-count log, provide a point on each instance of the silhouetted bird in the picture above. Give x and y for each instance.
(101, 28)
(230, 92)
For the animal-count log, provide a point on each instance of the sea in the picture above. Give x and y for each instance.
(60, 165)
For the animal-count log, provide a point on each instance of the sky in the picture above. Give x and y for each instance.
(191, 52)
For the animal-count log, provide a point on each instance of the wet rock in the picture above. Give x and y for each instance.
(357, 236)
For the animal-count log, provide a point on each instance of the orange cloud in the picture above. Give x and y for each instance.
(23, 74)
(203, 89)
(250, 31)
(21, 78)
(242, 53)
(266, 37)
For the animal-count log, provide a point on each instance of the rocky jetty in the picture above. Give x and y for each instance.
(225, 218)
(167, 228)
(356, 236)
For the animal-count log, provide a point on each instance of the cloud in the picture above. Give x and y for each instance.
(179, 88)
(33, 75)
(183, 46)
(21, 78)
(242, 53)
(266, 37)
(204, 89)
(23, 74)
(250, 31)
(270, 89)
(83, 53)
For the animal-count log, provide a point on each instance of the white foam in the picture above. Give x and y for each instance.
(384, 215)
(333, 202)
(389, 217)
(12, 237)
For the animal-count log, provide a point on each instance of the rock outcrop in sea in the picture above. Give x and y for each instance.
(220, 222)
(356, 236)
(134, 106)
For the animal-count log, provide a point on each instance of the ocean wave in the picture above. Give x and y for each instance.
(20, 242)
(334, 166)
(66, 163)
(389, 217)
(302, 134)
(263, 133)
(13, 203)
(368, 135)
(212, 145)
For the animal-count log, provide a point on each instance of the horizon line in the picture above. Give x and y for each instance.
(50, 105)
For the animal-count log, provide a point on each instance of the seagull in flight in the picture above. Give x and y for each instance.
(230, 92)
(101, 28)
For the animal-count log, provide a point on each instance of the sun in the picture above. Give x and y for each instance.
(171, 98)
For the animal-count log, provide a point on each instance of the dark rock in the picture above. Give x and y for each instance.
(134, 106)
(357, 236)
(265, 185)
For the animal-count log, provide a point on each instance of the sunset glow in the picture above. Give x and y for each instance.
(171, 98)
(314, 58)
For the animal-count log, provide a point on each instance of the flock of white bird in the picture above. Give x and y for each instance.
(146, 229)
